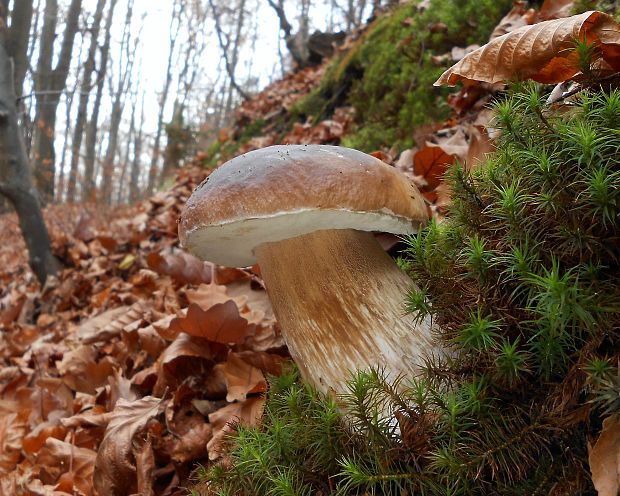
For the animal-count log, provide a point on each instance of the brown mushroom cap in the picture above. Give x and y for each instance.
(279, 192)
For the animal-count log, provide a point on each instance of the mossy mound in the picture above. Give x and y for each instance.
(522, 280)
(393, 89)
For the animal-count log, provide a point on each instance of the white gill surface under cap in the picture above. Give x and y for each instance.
(232, 243)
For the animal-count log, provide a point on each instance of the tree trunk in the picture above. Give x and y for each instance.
(85, 88)
(125, 67)
(15, 180)
(153, 171)
(90, 139)
(49, 84)
(137, 153)
(17, 40)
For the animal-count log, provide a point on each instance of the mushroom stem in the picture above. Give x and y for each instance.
(339, 299)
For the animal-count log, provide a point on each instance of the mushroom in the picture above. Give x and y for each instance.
(306, 214)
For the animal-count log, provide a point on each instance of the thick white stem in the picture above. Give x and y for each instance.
(339, 299)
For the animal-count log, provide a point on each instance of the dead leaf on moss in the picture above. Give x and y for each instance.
(542, 52)
(604, 458)
(248, 412)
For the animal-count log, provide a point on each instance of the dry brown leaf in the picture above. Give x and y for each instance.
(430, 164)
(104, 326)
(480, 146)
(181, 266)
(82, 371)
(193, 444)
(221, 324)
(35, 439)
(248, 412)
(77, 464)
(186, 356)
(207, 295)
(604, 458)
(13, 426)
(543, 52)
(556, 9)
(242, 378)
(519, 16)
(145, 466)
(115, 469)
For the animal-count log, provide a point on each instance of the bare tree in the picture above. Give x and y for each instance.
(85, 89)
(124, 71)
(15, 179)
(137, 152)
(90, 138)
(230, 61)
(50, 83)
(175, 27)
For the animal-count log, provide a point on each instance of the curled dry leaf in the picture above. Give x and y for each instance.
(543, 52)
(193, 444)
(556, 9)
(104, 326)
(181, 266)
(248, 412)
(13, 426)
(82, 371)
(145, 466)
(604, 458)
(242, 378)
(115, 469)
(68, 465)
(186, 356)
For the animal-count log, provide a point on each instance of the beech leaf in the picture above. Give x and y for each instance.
(604, 458)
(221, 324)
(115, 468)
(242, 378)
(542, 52)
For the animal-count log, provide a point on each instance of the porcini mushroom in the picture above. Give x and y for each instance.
(306, 215)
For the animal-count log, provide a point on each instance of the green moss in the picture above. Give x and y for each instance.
(395, 93)
(522, 282)
(219, 151)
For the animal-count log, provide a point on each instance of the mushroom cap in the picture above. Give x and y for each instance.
(280, 192)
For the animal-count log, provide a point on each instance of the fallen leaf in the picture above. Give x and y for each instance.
(13, 426)
(543, 52)
(181, 266)
(248, 412)
(83, 371)
(221, 323)
(115, 469)
(556, 9)
(242, 378)
(431, 163)
(193, 444)
(604, 458)
(145, 466)
(59, 457)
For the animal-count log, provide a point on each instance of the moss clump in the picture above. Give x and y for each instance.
(522, 280)
(395, 93)
(219, 151)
